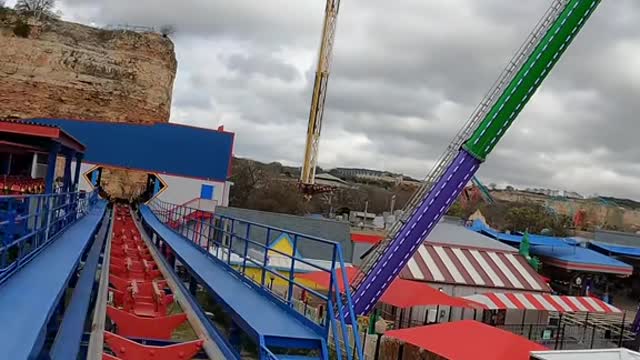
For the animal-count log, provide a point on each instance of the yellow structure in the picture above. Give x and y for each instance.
(282, 245)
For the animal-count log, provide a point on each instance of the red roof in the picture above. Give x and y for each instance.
(543, 302)
(41, 131)
(322, 279)
(366, 238)
(463, 265)
(402, 293)
(468, 340)
(405, 294)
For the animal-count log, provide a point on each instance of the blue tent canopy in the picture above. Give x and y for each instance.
(581, 259)
(515, 240)
(563, 252)
(610, 249)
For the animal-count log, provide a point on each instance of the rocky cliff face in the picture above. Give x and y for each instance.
(67, 70)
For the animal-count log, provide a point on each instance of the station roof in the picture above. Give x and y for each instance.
(32, 136)
(468, 340)
(159, 147)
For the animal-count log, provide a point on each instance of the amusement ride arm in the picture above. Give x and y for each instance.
(459, 164)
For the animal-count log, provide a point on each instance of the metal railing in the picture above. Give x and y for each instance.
(248, 248)
(30, 222)
(267, 354)
(469, 127)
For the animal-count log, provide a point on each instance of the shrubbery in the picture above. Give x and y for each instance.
(22, 28)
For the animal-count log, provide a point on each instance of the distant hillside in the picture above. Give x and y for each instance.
(628, 203)
(273, 187)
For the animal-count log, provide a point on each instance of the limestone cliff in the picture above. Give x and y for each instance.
(68, 70)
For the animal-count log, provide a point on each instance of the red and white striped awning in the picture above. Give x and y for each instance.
(543, 302)
(476, 267)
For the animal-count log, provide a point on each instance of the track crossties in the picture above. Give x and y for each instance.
(141, 306)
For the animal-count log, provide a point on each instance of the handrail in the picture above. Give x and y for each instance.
(220, 237)
(266, 352)
(28, 223)
(310, 237)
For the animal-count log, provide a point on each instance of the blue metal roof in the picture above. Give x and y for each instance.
(515, 240)
(579, 255)
(615, 249)
(159, 147)
(560, 251)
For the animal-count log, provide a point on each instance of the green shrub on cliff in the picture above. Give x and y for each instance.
(21, 28)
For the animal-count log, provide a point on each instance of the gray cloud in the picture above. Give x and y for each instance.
(405, 77)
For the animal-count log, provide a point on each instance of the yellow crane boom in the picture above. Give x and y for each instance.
(308, 173)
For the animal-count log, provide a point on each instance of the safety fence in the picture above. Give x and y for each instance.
(29, 223)
(251, 250)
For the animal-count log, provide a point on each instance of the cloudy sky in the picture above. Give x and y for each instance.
(406, 76)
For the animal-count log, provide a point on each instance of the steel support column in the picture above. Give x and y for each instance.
(51, 168)
(76, 176)
(67, 172)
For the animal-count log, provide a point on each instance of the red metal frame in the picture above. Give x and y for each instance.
(131, 325)
(53, 133)
(141, 302)
(126, 349)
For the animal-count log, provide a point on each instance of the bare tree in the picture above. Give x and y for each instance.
(37, 8)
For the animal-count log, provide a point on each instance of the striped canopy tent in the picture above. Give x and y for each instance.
(542, 302)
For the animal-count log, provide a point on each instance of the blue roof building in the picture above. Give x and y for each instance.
(184, 163)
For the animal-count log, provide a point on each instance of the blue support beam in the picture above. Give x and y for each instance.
(67, 171)
(67, 342)
(6, 168)
(31, 296)
(76, 176)
(51, 168)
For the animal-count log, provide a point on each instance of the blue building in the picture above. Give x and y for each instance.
(184, 164)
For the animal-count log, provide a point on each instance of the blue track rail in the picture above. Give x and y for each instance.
(30, 297)
(269, 323)
(67, 341)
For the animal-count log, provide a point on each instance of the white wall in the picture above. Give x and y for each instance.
(179, 190)
(83, 185)
(513, 317)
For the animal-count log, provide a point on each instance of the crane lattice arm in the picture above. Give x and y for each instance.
(308, 173)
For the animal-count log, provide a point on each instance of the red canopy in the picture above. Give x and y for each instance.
(542, 302)
(401, 293)
(468, 340)
(322, 278)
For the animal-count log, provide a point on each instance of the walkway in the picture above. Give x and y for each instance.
(256, 313)
(34, 291)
